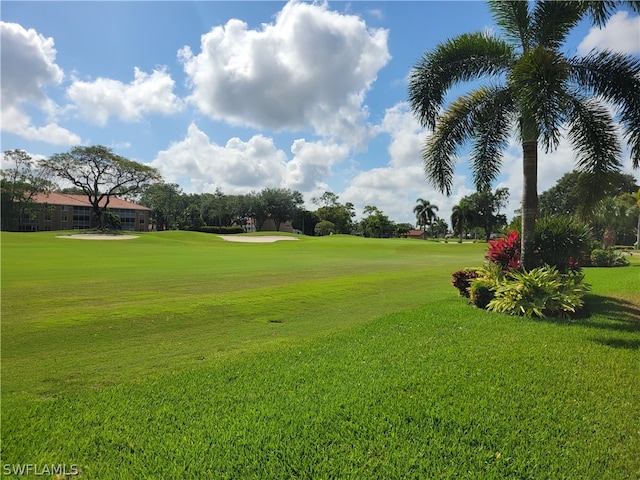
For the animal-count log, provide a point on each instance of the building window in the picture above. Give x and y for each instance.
(64, 218)
(64, 208)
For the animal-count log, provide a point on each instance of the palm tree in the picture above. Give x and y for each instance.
(425, 212)
(461, 218)
(536, 91)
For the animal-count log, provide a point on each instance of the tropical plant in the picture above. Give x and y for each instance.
(562, 242)
(462, 280)
(505, 252)
(461, 218)
(536, 90)
(540, 292)
(488, 278)
(425, 212)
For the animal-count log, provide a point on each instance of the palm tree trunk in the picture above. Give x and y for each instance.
(529, 202)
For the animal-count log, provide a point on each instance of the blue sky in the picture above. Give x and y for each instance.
(246, 95)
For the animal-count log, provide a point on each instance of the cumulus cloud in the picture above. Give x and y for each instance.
(200, 165)
(312, 163)
(28, 64)
(310, 68)
(27, 67)
(146, 94)
(620, 34)
(395, 187)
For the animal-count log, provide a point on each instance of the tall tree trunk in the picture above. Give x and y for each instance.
(610, 235)
(529, 202)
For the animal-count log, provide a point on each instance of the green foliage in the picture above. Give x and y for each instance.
(482, 288)
(19, 184)
(331, 210)
(607, 257)
(541, 292)
(111, 221)
(220, 230)
(324, 227)
(462, 280)
(561, 241)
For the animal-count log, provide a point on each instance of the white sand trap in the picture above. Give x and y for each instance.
(91, 236)
(256, 239)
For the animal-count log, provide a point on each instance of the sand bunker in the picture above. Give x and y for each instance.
(256, 239)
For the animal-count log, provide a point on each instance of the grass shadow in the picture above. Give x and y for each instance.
(624, 315)
(619, 343)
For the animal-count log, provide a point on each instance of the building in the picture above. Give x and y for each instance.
(73, 212)
(421, 234)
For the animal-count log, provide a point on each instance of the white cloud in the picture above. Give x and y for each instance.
(146, 94)
(200, 165)
(312, 163)
(395, 187)
(27, 67)
(620, 34)
(310, 68)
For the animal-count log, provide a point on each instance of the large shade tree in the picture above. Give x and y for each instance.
(536, 91)
(20, 183)
(101, 175)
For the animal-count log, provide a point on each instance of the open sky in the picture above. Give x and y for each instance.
(246, 95)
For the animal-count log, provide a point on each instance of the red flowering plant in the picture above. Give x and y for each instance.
(505, 252)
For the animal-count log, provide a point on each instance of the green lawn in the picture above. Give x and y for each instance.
(179, 355)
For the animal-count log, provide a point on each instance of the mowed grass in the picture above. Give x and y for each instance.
(179, 355)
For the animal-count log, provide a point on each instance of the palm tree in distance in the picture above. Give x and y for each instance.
(536, 92)
(461, 218)
(425, 212)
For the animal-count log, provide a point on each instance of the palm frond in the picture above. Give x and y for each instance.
(602, 10)
(593, 135)
(485, 113)
(492, 124)
(539, 81)
(615, 77)
(553, 20)
(463, 58)
(513, 17)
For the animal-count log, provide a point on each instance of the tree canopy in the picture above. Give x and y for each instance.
(535, 91)
(20, 183)
(100, 174)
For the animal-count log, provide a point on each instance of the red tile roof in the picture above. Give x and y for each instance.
(82, 201)
(415, 233)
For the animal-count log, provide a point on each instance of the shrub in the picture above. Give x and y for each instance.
(607, 257)
(541, 292)
(505, 252)
(561, 242)
(462, 280)
(220, 230)
(488, 279)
